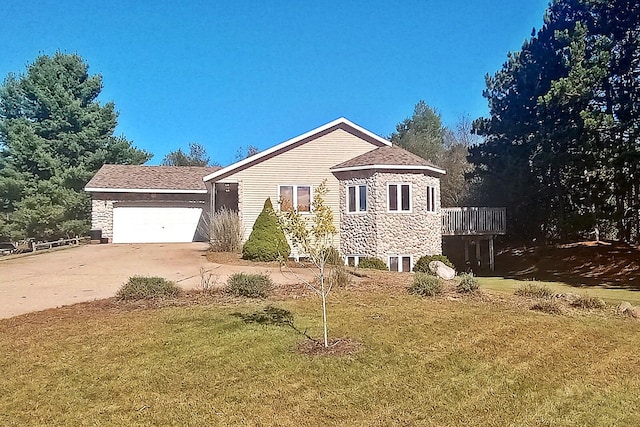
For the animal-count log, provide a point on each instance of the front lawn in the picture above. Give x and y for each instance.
(421, 361)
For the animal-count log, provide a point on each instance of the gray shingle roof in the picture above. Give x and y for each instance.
(387, 156)
(138, 177)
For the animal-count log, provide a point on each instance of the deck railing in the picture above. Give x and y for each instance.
(473, 221)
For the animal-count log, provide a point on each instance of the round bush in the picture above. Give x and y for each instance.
(141, 287)
(425, 285)
(371, 262)
(467, 284)
(267, 241)
(249, 285)
(422, 265)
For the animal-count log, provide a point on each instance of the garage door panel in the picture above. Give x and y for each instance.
(155, 224)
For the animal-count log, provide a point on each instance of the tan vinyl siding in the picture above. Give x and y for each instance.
(308, 163)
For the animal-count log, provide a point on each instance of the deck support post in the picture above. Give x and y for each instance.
(466, 250)
(492, 260)
(478, 251)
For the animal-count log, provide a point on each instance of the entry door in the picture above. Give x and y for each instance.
(226, 196)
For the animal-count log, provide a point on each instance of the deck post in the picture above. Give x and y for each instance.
(492, 261)
(478, 251)
(466, 250)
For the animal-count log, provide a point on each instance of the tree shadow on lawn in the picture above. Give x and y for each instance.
(610, 265)
(284, 318)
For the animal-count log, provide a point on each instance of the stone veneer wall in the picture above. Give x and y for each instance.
(380, 233)
(357, 230)
(102, 216)
(102, 205)
(415, 233)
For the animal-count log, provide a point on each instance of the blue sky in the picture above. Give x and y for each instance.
(232, 73)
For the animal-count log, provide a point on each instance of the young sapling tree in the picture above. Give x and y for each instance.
(313, 236)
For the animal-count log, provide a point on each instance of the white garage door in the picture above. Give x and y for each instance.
(155, 224)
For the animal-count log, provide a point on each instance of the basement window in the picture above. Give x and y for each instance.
(401, 263)
(353, 260)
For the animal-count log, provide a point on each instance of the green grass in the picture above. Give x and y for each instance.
(609, 295)
(421, 362)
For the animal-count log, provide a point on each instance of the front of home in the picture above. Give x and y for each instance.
(386, 201)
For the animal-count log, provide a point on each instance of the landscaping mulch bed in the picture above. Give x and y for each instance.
(336, 347)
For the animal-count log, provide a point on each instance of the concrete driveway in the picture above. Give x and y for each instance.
(86, 273)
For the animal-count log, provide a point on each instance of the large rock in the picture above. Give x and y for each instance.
(624, 307)
(442, 270)
(631, 311)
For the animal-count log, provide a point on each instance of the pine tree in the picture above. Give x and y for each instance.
(54, 136)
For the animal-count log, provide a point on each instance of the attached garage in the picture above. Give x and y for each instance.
(149, 204)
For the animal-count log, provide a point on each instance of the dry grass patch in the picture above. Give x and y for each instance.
(588, 302)
(548, 306)
(534, 290)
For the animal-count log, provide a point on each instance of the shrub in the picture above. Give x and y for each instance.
(586, 301)
(425, 285)
(534, 291)
(371, 262)
(339, 276)
(224, 231)
(547, 306)
(422, 265)
(333, 256)
(141, 287)
(267, 241)
(249, 285)
(467, 284)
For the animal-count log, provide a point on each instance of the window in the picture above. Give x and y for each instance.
(431, 199)
(399, 197)
(400, 263)
(295, 197)
(356, 198)
(353, 260)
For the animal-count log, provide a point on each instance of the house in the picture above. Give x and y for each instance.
(386, 201)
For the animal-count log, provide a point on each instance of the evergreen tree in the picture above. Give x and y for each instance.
(424, 135)
(561, 148)
(54, 136)
(267, 241)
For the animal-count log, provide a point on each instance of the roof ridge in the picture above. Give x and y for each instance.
(290, 142)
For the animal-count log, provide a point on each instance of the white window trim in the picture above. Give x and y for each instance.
(357, 187)
(431, 188)
(295, 197)
(400, 256)
(356, 260)
(399, 197)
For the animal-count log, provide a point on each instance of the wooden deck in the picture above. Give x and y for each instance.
(473, 221)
